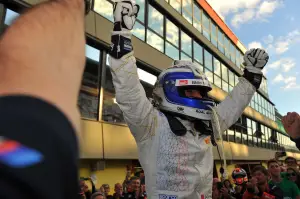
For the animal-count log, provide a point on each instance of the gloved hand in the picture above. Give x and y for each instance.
(255, 60)
(125, 14)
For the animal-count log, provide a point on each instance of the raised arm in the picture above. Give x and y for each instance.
(139, 113)
(234, 104)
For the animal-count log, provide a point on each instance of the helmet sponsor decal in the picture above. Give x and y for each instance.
(192, 82)
(183, 82)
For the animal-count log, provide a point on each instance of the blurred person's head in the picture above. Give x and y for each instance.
(274, 168)
(239, 176)
(142, 174)
(135, 183)
(261, 174)
(227, 184)
(291, 174)
(106, 189)
(118, 189)
(291, 162)
(98, 195)
(102, 190)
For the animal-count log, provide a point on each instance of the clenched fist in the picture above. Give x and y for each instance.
(291, 123)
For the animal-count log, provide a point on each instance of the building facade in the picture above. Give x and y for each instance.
(165, 30)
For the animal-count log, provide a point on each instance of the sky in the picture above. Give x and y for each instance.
(273, 25)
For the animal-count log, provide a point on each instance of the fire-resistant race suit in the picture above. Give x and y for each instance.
(175, 166)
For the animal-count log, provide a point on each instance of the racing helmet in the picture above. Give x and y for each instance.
(169, 91)
(239, 176)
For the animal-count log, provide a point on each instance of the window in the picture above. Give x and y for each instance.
(220, 41)
(172, 33)
(141, 15)
(231, 78)
(198, 53)
(249, 132)
(104, 8)
(197, 18)
(176, 5)
(214, 36)
(155, 41)
(185, 57)
(217, 67)
(226, 46)
(217, 81)
(139, 31)
(225, 86)
(10, 17)
(224, 73)
(208, 60)
(88, 100)
(206, 25)
(186, 43)
(187, 10)
(232, 52)
(155, 20)
(237, 58)
(172, 51)
(236, 80)
(209, 75)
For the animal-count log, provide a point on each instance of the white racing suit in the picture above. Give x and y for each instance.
(176, 167)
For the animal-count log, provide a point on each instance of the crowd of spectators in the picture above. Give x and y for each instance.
(274, 182)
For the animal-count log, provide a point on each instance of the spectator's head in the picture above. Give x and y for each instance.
(227, 184)
(239, 176)
(106, 189)
(291, 174)
(98, 195)
(274, 168)
(135, 183)
(291, 162)
(261, 174)
(118, 189)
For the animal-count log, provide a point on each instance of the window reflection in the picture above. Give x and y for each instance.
(198, 52)
(226, 46)
(206, 25)
(104, 8)
(214, 34)
(141, 15)
(231, 78)
(176, 5)
(225, 86)
(155, 20)
(224, 73)
(155, 41)
(217, 81)
(208, 60)
(187, 10)
(88, 100)
(172, 33)
(139, 31)
(209, 76)
(197, 18)
(217, 67)
(220, 41)
(186, 43)
(185, 57)
(10, 17)
(172, 51)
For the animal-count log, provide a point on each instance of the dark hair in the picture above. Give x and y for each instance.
(134, 178)
(97, 194)
(290, 158)
(230, 185)
(272, 161)
(261, 169)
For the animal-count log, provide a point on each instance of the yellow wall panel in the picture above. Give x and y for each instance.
(118, 142)
(243, 152)
(90, 27)
(92, 144)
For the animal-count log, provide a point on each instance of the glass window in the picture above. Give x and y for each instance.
(185, 56)
(139, 31)
(186, 43)
(206, 25)
(155, 20)
(187, 10)
(236, 80)
(141, 15)
(198, 52)
(217, 81)
(88, 100)
(224, 73)
(230, 88)
(226, 46)
(232, 52)
(214, 38)
(231, 78)
(237, 58)
(209, 75)
(172, 33)
(10, 16)
(104, 8)
(199, 66)
(217, 67)
(155, 41)
(208, 60)
(172, 51)
(225, 86)
(220, 41)
(197, 18)
(176, 5)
